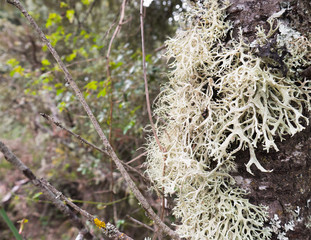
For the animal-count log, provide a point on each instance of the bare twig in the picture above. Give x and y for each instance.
(110, 151)
(160, 48)
(136, 158)
(145, 76)
(88, 11)
(10, 157)
(9, 195)
(116, 31)
(56, 198)
(163, 149)
(58, 124)
(139, 223)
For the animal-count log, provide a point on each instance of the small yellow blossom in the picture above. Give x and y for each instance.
(99, 223)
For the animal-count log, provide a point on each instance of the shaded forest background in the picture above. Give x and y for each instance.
(81, 30)
(32, 83)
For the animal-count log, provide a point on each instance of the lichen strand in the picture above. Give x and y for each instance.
(221, 98)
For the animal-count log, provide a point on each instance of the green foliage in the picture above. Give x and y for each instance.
(34, 83)
(53, 18)
(70, 14)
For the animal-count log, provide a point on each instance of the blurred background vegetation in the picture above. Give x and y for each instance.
(32, 83)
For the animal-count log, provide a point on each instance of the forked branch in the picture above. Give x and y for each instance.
(144, 203)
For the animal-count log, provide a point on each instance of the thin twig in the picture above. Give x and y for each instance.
(110, 151)
(160, 48)
(88, 11)
(139, 223)
(163, 149)
(102, 150)
(116, 31)
(136, 158)
(10, 157)
(9, 195)
(57, 198)
(145, 75)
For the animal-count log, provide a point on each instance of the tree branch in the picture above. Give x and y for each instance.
(118, 28)
(57, 198)
(58, 124)
(110, 151)
(41, 183)
(139, 223)
(163, 149)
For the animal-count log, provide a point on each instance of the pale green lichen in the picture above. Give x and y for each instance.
(221, 98)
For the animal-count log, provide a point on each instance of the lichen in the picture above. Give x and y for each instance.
(222, 97)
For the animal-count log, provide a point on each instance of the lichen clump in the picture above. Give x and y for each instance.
(223, 97)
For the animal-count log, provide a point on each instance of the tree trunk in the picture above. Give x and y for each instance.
(286, 190)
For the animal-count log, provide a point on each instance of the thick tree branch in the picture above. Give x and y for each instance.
(110, 151)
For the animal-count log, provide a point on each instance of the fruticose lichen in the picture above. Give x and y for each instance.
(223, 97)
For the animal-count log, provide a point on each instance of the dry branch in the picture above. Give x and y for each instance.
(58, 124)
(110, 151)
(57, 198)
(163, 149)
(40, 183)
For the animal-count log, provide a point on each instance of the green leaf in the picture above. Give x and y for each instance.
(148, 58)
(37, 195)
(61, 106)
(56, 36)
(53, 18)
(83, 52)
(120, 223)
(45, 62)
(83, 32)
(71, 56)
(49, 88)
(17, 69)
(59, 91)
(134, 110)
(12, 62)
(86, 2)
(67, 37)
(10, 224)
(129, 126)
(70, 14)
(114, 65)
(91, 85)
(63, 4)
(102, 93)
(44, 48)
(58, 85)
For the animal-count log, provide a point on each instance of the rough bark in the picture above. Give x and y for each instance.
(286, 190)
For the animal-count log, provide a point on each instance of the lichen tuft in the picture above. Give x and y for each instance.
(222, 98)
